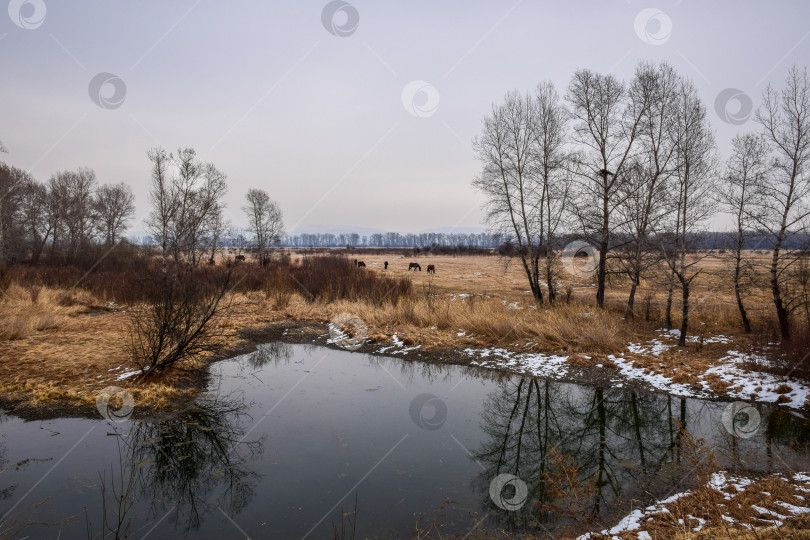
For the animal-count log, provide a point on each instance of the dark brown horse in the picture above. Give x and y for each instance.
(361, 264)
(414, 266)
(431, 269)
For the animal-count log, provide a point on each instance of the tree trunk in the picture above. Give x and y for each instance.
(601, 276)
(603, 250)
(631, 300)
(738, 293)
(781, 312)
(552, 289)
(685, 317)
(537, 292)
(668, 322)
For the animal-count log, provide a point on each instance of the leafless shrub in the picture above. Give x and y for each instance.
(179, 325)
(331, 278)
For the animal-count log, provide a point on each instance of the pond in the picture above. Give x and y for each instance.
(292, 440)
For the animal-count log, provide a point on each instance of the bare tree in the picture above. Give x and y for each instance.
(785, 119)
(36, 216)
(164, 203)
(217, 229)
(11, 182)
(265, 220)
(114, 207)
(642, 194)
(745, 171)
(71, 199)
(205, 222)
(643, 210)
(178, 325)
(551, 138)
(692, 193)
(187, 202)
(508, 154)
(607, 122)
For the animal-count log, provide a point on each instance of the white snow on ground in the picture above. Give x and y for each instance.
(745, 385)
(657, 346)
(654, 347)
(656, 380)
(398, 347)
(127, 375)
(721, 482)
(121, 376)
(336, 335)
(538, 365)
(462, 296)
(633, 521)
(676, 334)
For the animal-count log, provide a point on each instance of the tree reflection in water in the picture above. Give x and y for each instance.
(7, 491)
(182, 467)
(269, 353)
(197, 461)
(577, 452)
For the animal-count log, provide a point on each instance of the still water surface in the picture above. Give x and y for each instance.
(291, 440)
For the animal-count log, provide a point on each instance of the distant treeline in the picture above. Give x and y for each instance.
(701, 241)
(395, 240)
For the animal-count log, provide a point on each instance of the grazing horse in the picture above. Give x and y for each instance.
(240, 257)
(431, 269)
(386, 265)
(361, 264)
(414, 266)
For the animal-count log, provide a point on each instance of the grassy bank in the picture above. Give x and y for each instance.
(62, 344)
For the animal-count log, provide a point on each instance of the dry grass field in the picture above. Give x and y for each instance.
(63, 346)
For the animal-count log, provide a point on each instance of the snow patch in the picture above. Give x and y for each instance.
(535, 364)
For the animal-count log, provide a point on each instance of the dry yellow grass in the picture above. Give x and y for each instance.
(729, 513)
(64, 346)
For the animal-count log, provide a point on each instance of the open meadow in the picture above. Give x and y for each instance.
(61, 346)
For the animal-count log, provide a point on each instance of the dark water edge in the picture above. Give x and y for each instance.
(290, 440)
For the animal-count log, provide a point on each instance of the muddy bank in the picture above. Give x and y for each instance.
(600, 372)
(602, 375)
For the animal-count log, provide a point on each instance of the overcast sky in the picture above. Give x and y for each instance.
(316, 101)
